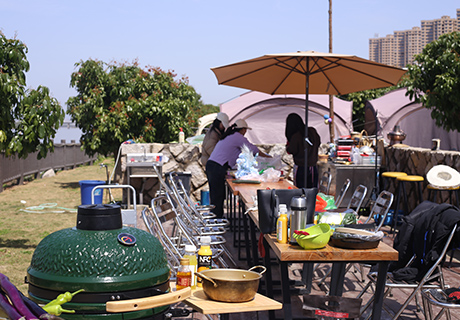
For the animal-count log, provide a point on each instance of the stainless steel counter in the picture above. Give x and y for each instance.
(358, 174)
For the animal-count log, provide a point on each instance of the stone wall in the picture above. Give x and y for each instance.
(183, 157)
(418, 161)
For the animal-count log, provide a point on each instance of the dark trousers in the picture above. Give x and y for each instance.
(312, 177)
(216, 179)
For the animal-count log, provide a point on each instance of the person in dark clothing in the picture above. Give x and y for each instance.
(296, 144)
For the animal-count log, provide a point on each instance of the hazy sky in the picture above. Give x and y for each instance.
(190, 37)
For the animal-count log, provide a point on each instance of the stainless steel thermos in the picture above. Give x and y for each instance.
(298, 216)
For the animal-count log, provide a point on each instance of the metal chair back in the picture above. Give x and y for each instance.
(343, 191)
(325, 182)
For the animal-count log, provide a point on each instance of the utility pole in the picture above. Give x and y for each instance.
(331, 97)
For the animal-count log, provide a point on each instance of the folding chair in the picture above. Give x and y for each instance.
(187, 207)
(432, 279)
(357, 198)
(191, 220)
(325, 182)
(437, 298)
(381, 207)
(162, 220)
(343, 191)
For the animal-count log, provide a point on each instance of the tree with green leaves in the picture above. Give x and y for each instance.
(434, 80)
(118, 102)
(29, 119)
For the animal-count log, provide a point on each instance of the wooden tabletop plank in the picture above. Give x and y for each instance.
(294, 252)
(246, 191)
(201, 303)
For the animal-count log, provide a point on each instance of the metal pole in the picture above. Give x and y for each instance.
(331, 97)
(307, 80)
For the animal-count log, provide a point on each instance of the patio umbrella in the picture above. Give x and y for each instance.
(308, 72)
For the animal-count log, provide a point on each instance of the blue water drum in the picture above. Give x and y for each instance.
(86, 187)
(205, 197)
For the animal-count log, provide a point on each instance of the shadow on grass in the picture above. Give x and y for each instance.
(69, 185)
(18, 243)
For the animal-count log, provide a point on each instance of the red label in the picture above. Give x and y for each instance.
(184, 281)
(332, 314)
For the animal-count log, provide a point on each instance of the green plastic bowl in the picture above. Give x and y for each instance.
(318, 238)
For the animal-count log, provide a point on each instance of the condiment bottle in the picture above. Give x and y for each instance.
(190, 254)
(204, 257)
(282, 225)
(184, 275)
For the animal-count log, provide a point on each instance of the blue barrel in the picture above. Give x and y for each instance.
(205, 197)
(86, 187)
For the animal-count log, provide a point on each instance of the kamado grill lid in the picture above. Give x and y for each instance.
(99, 255)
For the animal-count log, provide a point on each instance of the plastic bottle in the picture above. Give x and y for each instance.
(184, 275)
(204, 257)
(181, 136)
(282, 225)
(190, 254)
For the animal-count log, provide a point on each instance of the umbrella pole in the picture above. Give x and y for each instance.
(307, 76)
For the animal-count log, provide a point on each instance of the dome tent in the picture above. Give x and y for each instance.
(266, 114)
(395, 108)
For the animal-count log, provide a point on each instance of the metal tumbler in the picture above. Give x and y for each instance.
(298, 216)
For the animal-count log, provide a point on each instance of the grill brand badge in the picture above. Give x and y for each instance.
(126, 239)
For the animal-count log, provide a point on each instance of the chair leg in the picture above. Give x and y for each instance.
(420, 194)
(396, 213)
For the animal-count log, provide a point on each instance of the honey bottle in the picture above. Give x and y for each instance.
(184, 274)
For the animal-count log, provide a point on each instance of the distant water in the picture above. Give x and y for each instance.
(68, 132)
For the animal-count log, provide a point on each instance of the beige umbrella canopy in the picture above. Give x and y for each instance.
(325, 73)
(308, 72)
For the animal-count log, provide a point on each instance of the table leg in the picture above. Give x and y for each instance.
(254, 242)
(337, 278)
(245, 217)
(268, 277)
(239, 228)
(380, 290)
(285, 289)
(307, 275)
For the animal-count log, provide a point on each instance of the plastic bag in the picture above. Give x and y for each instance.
(337, 218)
(325, 202)
(271, 175)
(246, 164)
(266, 163)
(320, 203)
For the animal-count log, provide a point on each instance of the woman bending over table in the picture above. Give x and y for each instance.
(224, 157)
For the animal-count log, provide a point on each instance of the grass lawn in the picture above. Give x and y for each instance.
(24, 225)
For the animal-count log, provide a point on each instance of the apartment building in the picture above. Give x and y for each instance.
(398, 49)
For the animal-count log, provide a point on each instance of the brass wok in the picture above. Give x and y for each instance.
(231, 285)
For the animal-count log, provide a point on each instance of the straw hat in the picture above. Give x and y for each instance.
(443, 176)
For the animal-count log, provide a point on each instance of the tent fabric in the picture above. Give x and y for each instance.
(395, 108)
(266, 114)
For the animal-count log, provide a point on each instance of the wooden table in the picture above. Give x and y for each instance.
(247, 192)
(201, 303)
(287, 253)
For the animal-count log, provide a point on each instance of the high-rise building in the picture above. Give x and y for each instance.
(398, 49)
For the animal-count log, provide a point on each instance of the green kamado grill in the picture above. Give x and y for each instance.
(109, 261)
